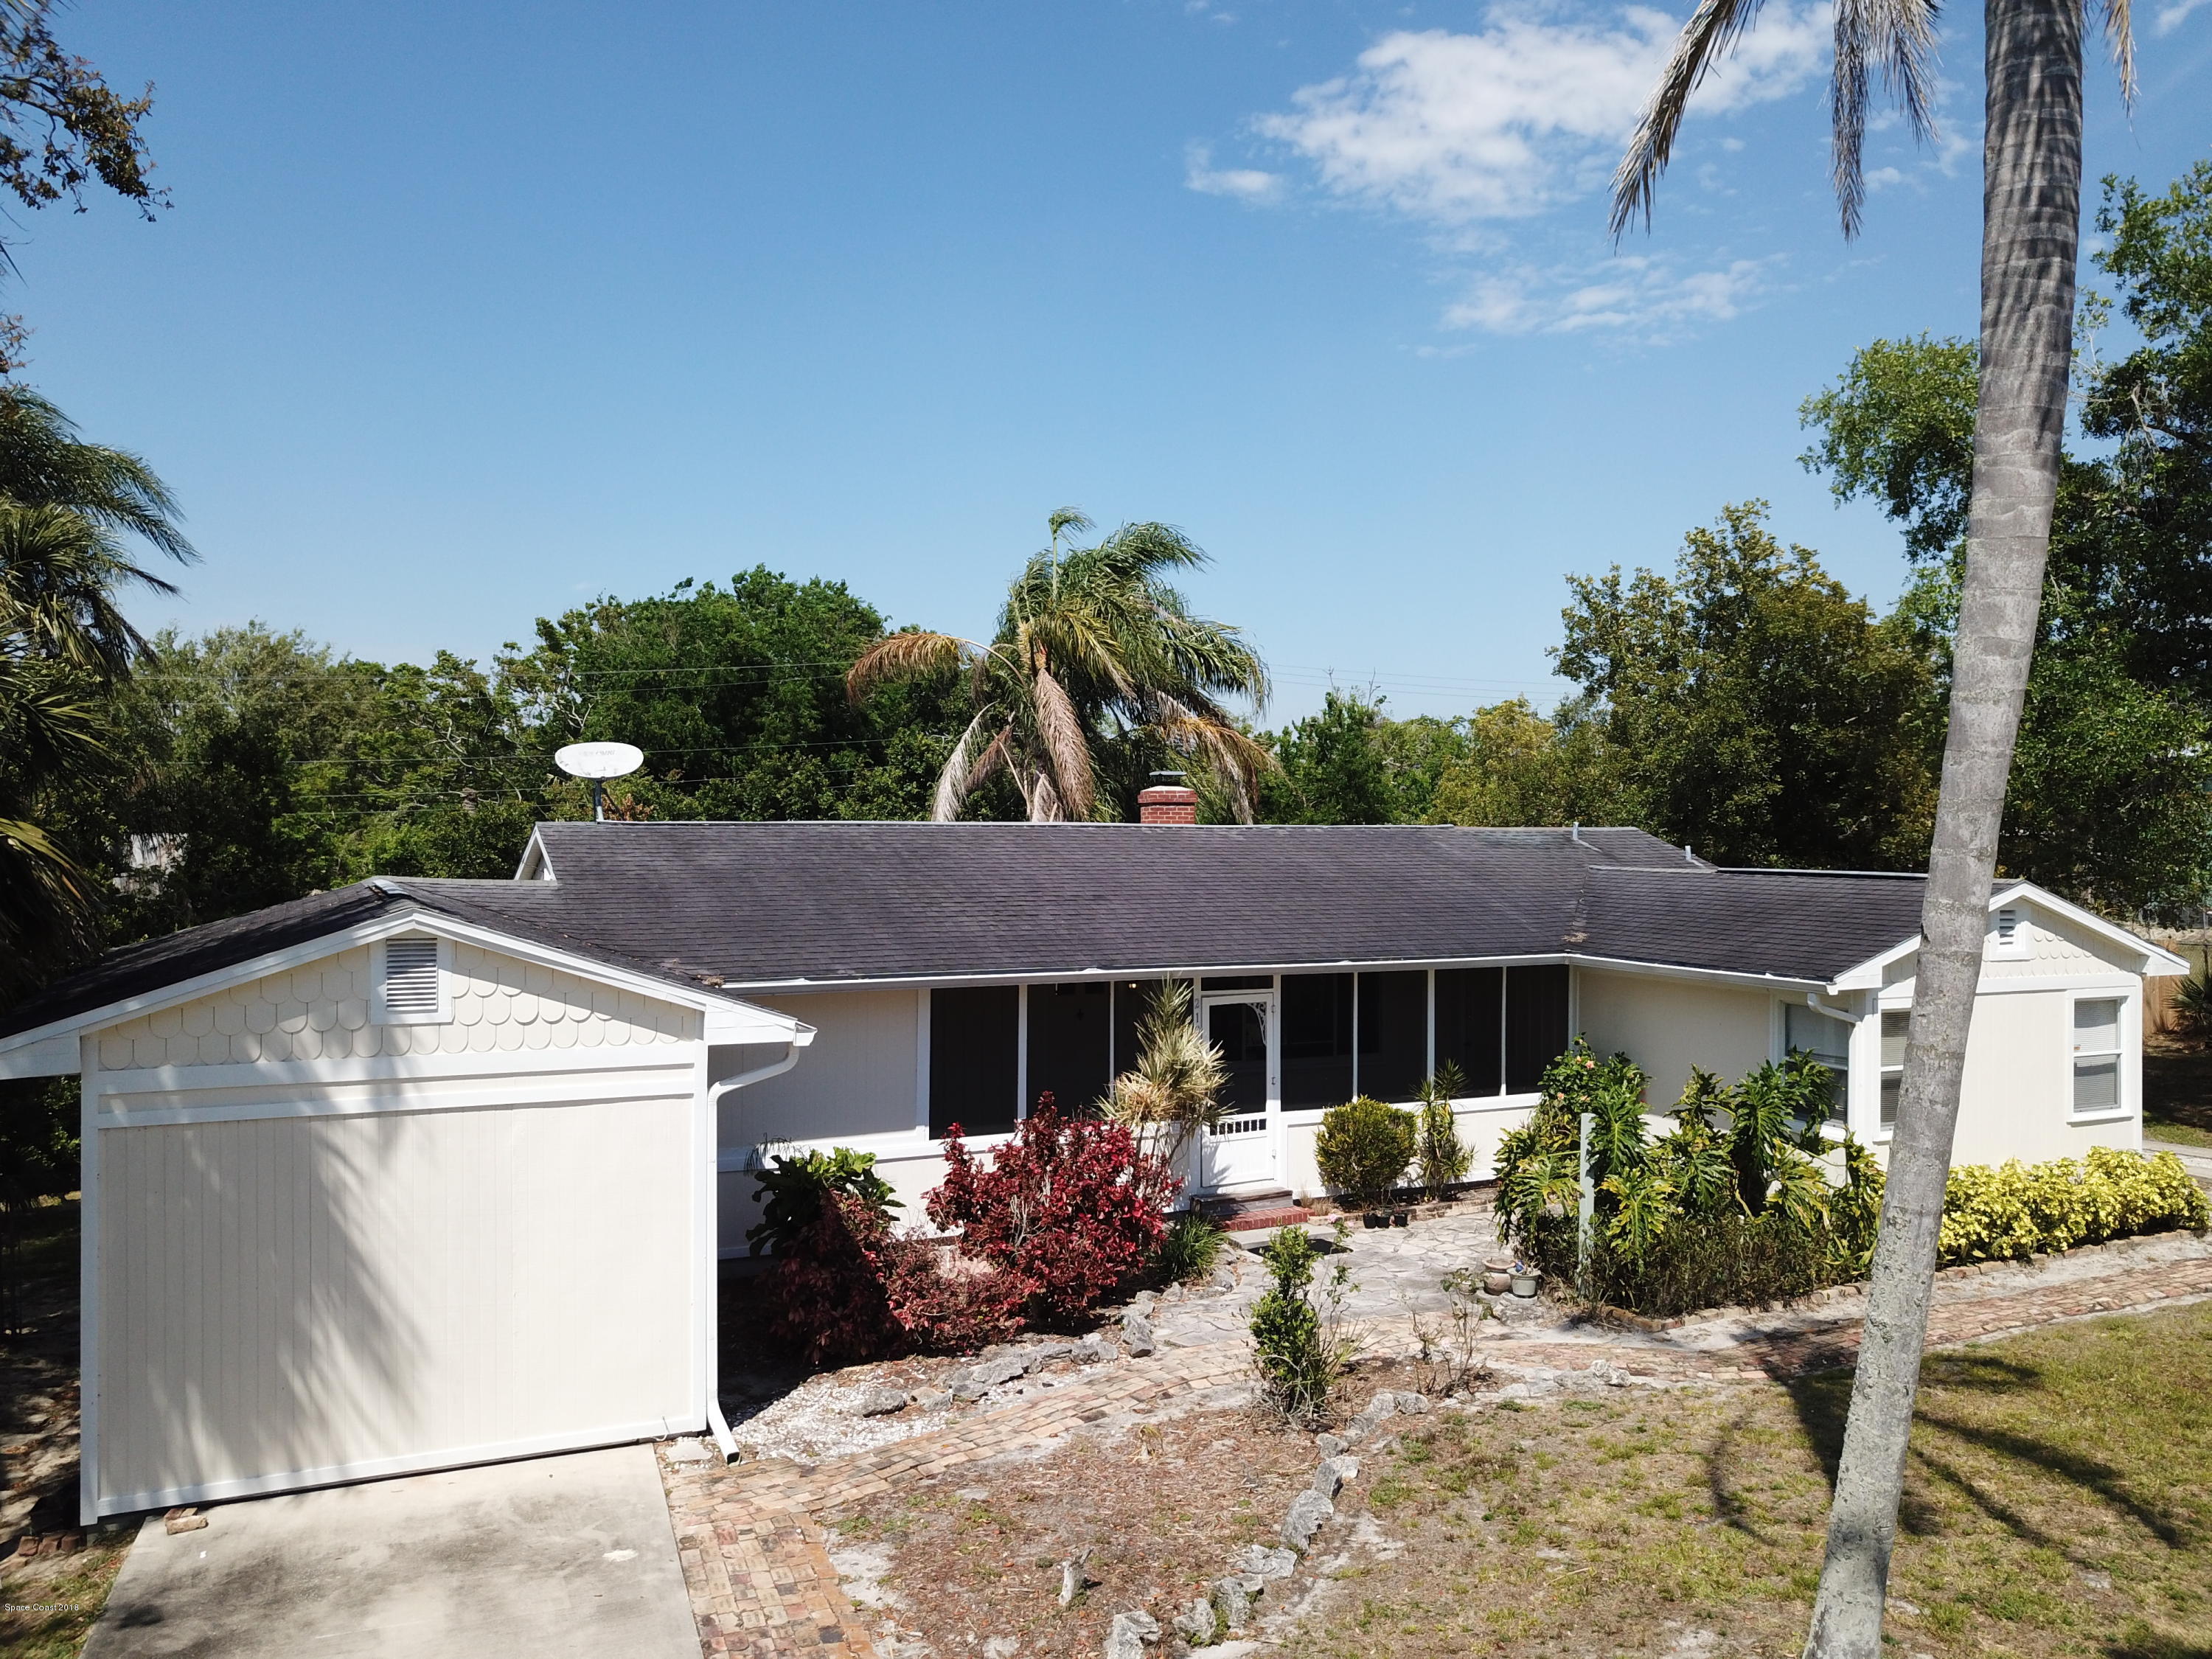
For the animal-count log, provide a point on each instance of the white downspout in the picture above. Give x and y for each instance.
(718, 1425)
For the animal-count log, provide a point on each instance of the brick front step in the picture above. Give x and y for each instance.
(1252, 1221)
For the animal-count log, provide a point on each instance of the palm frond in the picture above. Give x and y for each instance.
(964, 768)
(43, 463)
(59, 573)
(1067, 746)
(906, 656)
(1899, 35)
(2119, 30)
(1710, 34)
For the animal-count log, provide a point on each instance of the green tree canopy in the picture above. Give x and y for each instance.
(1751, 707)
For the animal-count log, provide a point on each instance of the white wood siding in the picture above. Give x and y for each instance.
(1668, 1025)
(322, 1012)
(289, 1300)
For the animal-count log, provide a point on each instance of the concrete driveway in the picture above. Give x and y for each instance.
(555, 1557)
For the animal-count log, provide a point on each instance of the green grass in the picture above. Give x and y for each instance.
(2158, 1128)
(2039, 1467)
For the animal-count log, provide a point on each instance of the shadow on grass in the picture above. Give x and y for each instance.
(2140, 1640)
(1823, 1405)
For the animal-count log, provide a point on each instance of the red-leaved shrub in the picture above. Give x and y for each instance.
(846, 1289)
(1070, 1206)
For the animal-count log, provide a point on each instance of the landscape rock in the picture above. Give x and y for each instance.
(1232, 1600)
(1330, 1444)
(876, 1400)
(1376, 1411)
(1309, 1509)
(933, 1399)
(1413, 1405)
(1137, 1338)
(1196, 1623)
(1003, 1368)
(1089, 1350)
(1044, 1353)
(1130, 1634)
(1328, 1480)
(1001, 1647)
(1260, 1561)
(1073, 1581)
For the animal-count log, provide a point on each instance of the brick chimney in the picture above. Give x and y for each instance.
(1168, 801)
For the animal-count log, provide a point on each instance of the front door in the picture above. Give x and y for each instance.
(1240, 1152)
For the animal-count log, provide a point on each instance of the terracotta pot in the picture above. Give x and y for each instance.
(1497, 1280)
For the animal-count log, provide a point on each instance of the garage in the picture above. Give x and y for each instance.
(404, 1191)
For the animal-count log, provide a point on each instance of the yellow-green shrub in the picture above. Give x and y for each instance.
(2018, 1210)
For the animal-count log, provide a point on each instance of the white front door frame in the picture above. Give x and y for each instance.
(1251, 1155)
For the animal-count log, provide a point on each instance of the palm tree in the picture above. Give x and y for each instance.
(1093, 646)
(64, 507)
(2031, 222)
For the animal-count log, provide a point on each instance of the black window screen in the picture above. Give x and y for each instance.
(1132, 1006)
(1316, 1016)
(973, 1059)
(1070, 1039)
(1470, 1026)
(1393, 1035)
(1535, 1025)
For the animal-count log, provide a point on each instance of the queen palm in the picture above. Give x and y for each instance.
(1094, 647)
(2031, 219)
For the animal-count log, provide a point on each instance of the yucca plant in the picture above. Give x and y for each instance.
(1172, 1095)
(1441, 1158)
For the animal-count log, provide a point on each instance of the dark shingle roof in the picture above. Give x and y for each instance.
(762, 903)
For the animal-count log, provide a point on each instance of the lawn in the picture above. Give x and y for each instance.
(2059, 1503)
(2176, 1083)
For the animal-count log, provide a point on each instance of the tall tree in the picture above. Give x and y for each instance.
(2031, 223)
(1746, 688)
(1094, 651)
(2108, 799)
(61, 129)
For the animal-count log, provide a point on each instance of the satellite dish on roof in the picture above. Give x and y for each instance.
(598, 762)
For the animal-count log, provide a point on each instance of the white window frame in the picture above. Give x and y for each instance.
(1839, 1116)
(1881, 1131)
(2128, 1029)
(442, 1015)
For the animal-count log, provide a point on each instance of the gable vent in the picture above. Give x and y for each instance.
(2008, 928)
(410, 978)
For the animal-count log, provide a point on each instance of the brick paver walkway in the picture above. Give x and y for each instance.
(761, 1585)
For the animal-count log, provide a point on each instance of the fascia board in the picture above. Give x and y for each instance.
(410, 916)
(1064, 975)
(1710, 976)
(49, 1057)
(2159, 962)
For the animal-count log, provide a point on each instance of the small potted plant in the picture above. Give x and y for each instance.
(1524, 1279)
(1497, 1274)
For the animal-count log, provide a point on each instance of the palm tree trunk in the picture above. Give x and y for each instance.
(2031, 221)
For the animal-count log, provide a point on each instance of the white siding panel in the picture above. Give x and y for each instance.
(321, 1011)
(294, 1295)
(1668, 1025)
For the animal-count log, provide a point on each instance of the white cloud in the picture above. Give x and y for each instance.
(2174, 15)
(1522, 114)
(1650, 298)
(1246, 183)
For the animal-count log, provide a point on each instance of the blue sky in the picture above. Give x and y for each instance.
(466, 312)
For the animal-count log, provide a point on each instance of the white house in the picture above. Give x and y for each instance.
(422, 1173)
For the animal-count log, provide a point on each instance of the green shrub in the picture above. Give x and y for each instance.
(1362, 1150)
(2192, 1007)
(1441, 1158)
(1299, 1350)
(1189, 1250)
(791, 1194)
(2018, 1210)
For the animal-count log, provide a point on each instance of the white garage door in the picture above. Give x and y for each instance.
(283, 1302)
